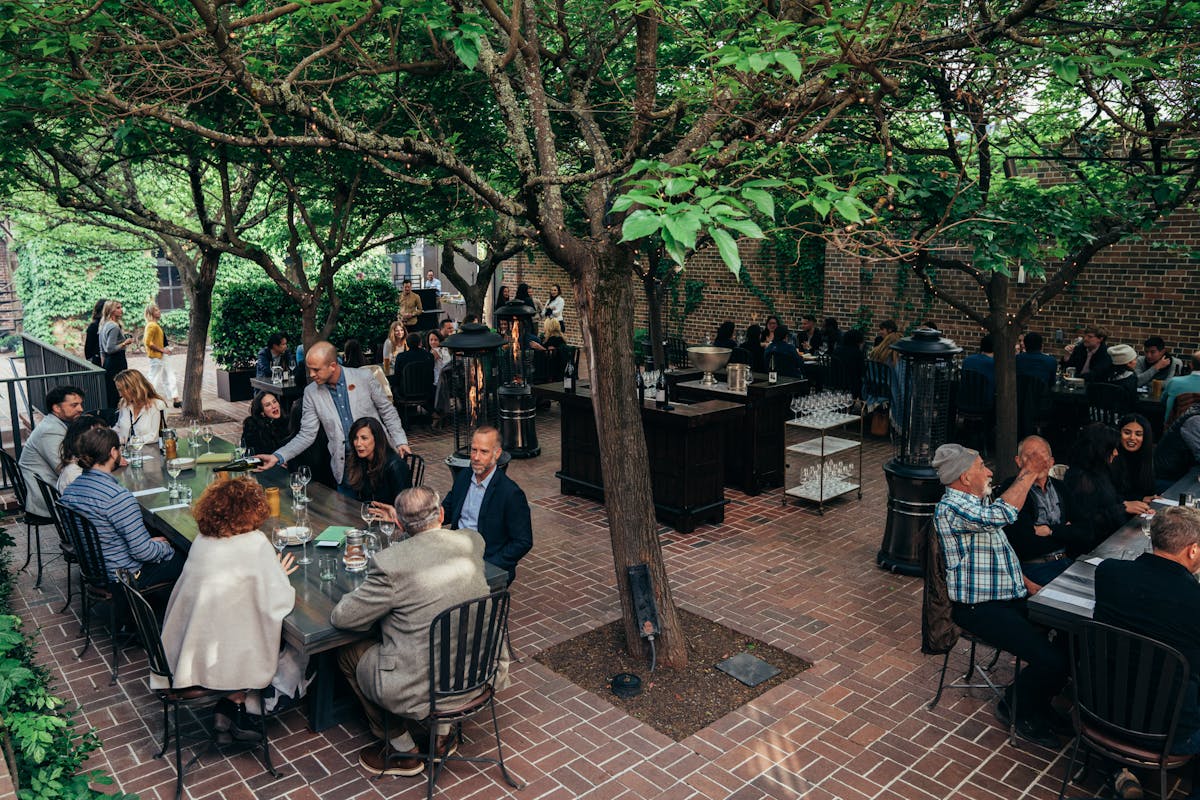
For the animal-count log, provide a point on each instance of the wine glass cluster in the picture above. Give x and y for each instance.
(829, 478)
(821, 407)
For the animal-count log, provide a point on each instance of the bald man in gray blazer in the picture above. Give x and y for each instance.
(335, 397)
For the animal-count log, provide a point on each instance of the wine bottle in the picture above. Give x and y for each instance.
(162, 427)
(641, 388)
(660, 392)
(772, 375)
(569, 378)
(239, 465)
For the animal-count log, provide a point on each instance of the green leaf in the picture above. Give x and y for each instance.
(757, 62)
(727, 247)
(788, 60)
(764, 201)
(847, 207)
(467, 51)
(683, 227)
(1066, 70)
(745, 227)
(640, 224)
(821, 205)
(677, 186)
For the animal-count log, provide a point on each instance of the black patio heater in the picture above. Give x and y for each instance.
(926, 370)
(474, 373)
(518, 431)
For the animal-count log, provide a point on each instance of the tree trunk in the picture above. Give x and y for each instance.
(1004, 339)
(605, 297)
(200, 293)
(654, 321)
(473, 292)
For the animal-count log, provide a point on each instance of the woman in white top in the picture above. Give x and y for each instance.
(554, 306)
(141, 408)
(394, 345)
(224, 622)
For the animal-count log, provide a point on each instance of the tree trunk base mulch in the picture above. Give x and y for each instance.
(675, 702)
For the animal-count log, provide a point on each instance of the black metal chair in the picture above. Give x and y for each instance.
(985, 672)
(413, 388)
(51, 496)
(33, 522)
(1129, 691)
(740, 355)
(466, 643)
(174, 697)
(1108, 402)
(976, 405)
(1034, 406)
(416, 469)
(97, 587)
(677, 355)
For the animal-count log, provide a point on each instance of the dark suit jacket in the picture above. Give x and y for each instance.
(1064, 536)
(504, 519)
(1101, 364)
(1156, 597)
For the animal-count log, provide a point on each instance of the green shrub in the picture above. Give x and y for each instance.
(40, 736)
(244, 317)
(175, 324)
(368, 307)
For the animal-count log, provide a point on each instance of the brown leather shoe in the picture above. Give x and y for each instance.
(381, 759)
(446, 746)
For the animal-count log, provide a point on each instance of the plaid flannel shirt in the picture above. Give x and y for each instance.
(980, 563)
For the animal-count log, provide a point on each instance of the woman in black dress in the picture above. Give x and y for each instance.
(1133, 468)
(1092, 501)
(266, 429)
(373, 470)
(91, 337)
(113, 342)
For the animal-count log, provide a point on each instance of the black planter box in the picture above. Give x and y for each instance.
(234, 386)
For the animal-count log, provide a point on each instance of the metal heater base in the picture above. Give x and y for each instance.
(518, 429)
(913, 493)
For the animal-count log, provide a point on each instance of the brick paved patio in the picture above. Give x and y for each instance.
(853, 727)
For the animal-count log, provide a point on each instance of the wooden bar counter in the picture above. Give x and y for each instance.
(754, 444)
(686, 449)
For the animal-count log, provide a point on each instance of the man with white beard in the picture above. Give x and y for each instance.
(985, 584)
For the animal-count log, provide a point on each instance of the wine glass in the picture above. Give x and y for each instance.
(386, 528)
(368, 514)
(195, 438)
(303, 536)
(797, 404)
(207, 434)
(305, 476)
(239, 452)
(297, 490)
(279, 537)
(174, 468)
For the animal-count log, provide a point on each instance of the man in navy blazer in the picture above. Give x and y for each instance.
(487, 500)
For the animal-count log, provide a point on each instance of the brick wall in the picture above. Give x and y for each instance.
(1133, 289)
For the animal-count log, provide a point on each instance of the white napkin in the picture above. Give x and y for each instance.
(144, 492)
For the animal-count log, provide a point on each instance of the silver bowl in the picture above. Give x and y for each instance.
(710, 359)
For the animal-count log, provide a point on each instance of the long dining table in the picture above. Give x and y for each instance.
(1071, 597)
(307, 628)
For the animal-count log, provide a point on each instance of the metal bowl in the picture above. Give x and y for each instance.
(710, 359)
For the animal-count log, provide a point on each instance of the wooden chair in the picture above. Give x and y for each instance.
(174, 697)
(33, 522)
(51, 496)
(1182, 403)
(1129, 692)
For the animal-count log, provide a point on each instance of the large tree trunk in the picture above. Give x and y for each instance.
(1004, 339)
(201, 293)
(605, 297)
(658, 338)
(473, 292)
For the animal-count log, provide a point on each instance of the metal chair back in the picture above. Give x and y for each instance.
(976, 395)
(877, 381)
(1108, 402)
(14, 478)
(416, 382)
(1033, 404)
(416, 469)
(86, 540)
(465, 643)
(146, 623)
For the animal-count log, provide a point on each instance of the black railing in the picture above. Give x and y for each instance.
(46, 366)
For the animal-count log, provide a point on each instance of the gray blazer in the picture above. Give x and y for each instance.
(366, 400)
(40, 457)
(408, 585)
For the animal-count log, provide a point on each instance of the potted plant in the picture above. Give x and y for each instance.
(244, 317)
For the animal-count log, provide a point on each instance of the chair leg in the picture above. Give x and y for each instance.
(266, 743)
(941, 680)
(432, 766)
(28, 546)
(87, 623)
(67, 604)
(166, 730)
(970, 665)
(178, 756)
(1070, 766)
(500, 750)
(116, 645)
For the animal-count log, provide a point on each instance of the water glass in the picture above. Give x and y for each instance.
(327, 567)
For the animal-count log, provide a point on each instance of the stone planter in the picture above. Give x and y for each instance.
(234, 385)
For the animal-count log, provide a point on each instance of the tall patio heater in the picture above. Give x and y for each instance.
(926, 370)
(474, 373)
(518, 431)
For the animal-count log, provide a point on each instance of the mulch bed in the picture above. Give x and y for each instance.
(673, 702)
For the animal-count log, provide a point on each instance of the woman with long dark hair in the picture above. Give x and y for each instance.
(1133, 468)
(1092, 501)
(373, 470)
(91, 337)
(266, 429)
(754, 346)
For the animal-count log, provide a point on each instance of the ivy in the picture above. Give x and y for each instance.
(36, 733)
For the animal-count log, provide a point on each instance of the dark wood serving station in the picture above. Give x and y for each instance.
(686, 449)
(754, 443)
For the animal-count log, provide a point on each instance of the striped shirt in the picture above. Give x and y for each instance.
(980, 563)
(115, 512)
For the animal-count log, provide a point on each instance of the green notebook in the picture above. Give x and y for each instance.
(334, 533)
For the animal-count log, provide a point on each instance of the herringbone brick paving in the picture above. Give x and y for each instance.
(853, 727)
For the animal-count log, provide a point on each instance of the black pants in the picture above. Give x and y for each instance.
(1005, 624)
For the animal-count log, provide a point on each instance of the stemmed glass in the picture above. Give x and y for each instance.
(279, 538)
(195, 439)
(207, 433)
(386, 529)
(304, 536)
(174, 468)
(368, 515)
(305, 475)
(297, 490)
(796, 405)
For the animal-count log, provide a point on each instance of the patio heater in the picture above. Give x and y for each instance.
(518, 432)
(926, 370)
(475, 377)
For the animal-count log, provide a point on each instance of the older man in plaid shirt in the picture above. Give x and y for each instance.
(987, 588)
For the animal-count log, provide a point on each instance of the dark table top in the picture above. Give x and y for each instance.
(307, 627)
(290, 389)
(1072, 596)
(685, 414)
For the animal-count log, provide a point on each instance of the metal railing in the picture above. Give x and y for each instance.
(44, 366)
